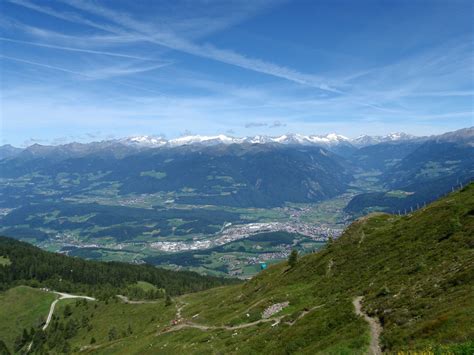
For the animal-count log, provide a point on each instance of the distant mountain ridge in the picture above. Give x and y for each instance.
(365, 140)
(150, 141)
(416, 172)
(331, 139)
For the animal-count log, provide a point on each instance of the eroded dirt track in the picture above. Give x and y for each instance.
(374, 324)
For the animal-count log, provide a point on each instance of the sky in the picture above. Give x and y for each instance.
(79, 70)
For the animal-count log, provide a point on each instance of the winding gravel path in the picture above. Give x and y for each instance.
(62, 296)
(375, 327)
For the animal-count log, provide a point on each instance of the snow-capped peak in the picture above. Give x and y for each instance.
(258, 139)
(396, 136)
(294, 138)
(331, 139)
(203, 139)
(145, 140)
(366, 140)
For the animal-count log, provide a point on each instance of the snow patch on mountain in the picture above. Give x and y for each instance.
(331, 139)
(151, 141)
(366, 140)
(219, 139)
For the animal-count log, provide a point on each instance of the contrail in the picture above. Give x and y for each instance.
(73, 49)
(75, 73)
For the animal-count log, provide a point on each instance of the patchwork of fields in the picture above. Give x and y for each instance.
(98, 223)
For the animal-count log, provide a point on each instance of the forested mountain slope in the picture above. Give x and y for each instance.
(30, 265)
(415, 274)
(229, 175)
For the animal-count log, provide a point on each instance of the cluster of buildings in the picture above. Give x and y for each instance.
(232, 233)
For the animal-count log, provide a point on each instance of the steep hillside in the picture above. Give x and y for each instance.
(415, 275)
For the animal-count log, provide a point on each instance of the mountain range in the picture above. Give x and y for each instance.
(395, 173)
(331, 139)
(142, 142)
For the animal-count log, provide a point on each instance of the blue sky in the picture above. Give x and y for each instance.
(89, 70)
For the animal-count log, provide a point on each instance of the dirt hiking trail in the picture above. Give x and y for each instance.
(375, 327)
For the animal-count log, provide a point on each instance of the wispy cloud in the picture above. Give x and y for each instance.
(91, 40)
(71, 49)
(444, 93)
(100, 54)
(163, 37)
(122, 70)
(94, 75)
(47, 66)
(443, 116)
(77, 112)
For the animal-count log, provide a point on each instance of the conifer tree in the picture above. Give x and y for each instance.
(293, 258)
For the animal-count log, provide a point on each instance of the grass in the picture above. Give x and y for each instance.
(22, 307)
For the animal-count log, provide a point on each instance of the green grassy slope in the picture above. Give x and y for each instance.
(415, 273)
(22, 307)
